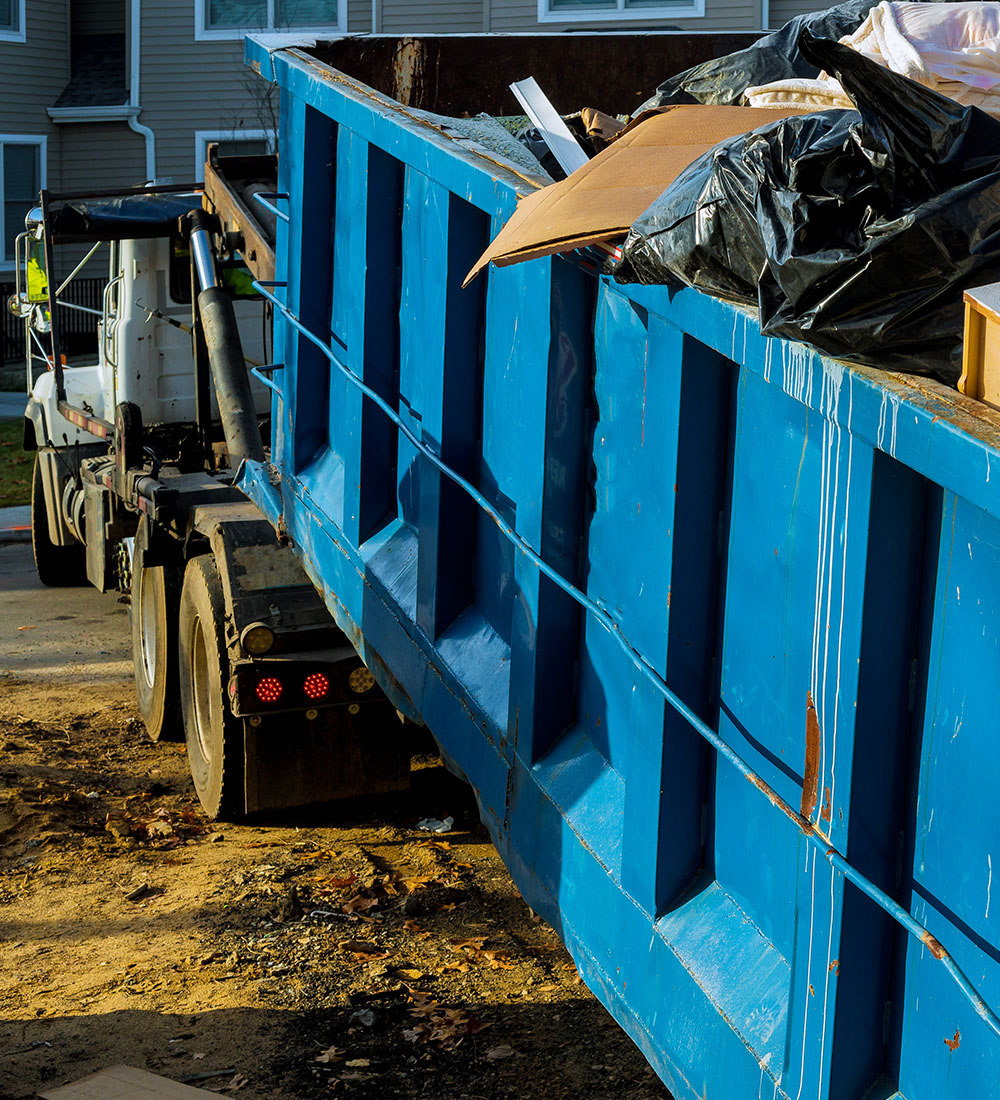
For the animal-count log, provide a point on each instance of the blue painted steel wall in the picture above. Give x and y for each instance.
(769, 529)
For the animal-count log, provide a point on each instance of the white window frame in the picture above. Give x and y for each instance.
(203, 33)
(202, 138)
(20, 35)
(693, 9)
(21, 139)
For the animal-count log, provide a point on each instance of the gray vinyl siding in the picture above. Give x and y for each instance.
(188, 86)
(783, 10)
(432, 17)
(720, 15)
(33, 73)
(101, 154)
(359, 16)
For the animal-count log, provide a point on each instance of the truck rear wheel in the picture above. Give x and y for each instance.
(214, 737)
(154, 609)
(57, 566)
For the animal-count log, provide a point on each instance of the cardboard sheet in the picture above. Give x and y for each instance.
(125, 1083)
(599, 201)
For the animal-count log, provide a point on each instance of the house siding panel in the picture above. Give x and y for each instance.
(112, 145)
(32, 74)
(359, 16)
(188, 86)
(434, 17)
(783, 10)
(522, 15)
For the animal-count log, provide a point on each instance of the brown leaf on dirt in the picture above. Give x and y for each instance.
(331, 1054)
(336, 883)
(415, 930)
(359, 903)
(472, 945)
(359, 947)
(437, 1026)
(234, 1085)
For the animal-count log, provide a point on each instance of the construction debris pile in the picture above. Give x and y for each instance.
(849, 190)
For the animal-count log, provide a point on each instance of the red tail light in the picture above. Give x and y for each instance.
(316, 685)
(269, 689)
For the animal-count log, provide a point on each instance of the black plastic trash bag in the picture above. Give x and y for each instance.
(776, 56)
(854, 231)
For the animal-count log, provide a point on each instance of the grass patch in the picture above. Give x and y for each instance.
(15, 465)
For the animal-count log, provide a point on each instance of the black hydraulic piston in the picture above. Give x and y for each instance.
(225, 350)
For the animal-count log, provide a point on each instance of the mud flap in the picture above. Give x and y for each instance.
(293, 761)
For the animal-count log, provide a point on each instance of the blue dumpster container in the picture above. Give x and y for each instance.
(709, 622)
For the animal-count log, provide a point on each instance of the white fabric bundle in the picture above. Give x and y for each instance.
(952, 48)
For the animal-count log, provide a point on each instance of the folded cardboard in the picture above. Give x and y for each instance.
(599, 201)
(125, 1083)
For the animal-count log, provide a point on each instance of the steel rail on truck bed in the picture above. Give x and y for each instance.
(721, 558)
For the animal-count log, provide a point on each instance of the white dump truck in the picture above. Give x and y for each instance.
(135, 455)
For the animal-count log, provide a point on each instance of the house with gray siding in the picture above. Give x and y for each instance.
(109, 93)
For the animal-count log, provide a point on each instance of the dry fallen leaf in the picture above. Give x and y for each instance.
(358, 1063)
(331, 1054)
(359, 947)
(359, 903)
(232, 1086)
(496, 1053)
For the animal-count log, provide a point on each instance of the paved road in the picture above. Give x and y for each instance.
(78, 631)
(12, 405)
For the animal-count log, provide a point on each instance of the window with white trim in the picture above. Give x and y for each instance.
(566, 11)
(12, 20)
(233, 18)
(22, 176)
(232, 143)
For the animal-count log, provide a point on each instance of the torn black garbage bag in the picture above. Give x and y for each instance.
(776, 56)
(854, 231)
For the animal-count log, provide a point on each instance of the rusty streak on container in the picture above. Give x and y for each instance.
(810, 783)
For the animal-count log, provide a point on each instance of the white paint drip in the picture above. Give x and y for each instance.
(826, 988)
(833, 378)
(843, 592)
(805, 1011)
(796, 371)
(989, 884)
(884, 421)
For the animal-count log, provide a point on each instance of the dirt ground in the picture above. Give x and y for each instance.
(353, 956)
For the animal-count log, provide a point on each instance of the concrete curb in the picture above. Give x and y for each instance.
(15, 524)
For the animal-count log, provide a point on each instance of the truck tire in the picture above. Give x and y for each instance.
(214, 737)
(155, 605)
(57, 566)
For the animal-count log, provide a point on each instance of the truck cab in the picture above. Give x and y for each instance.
(136, 455)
